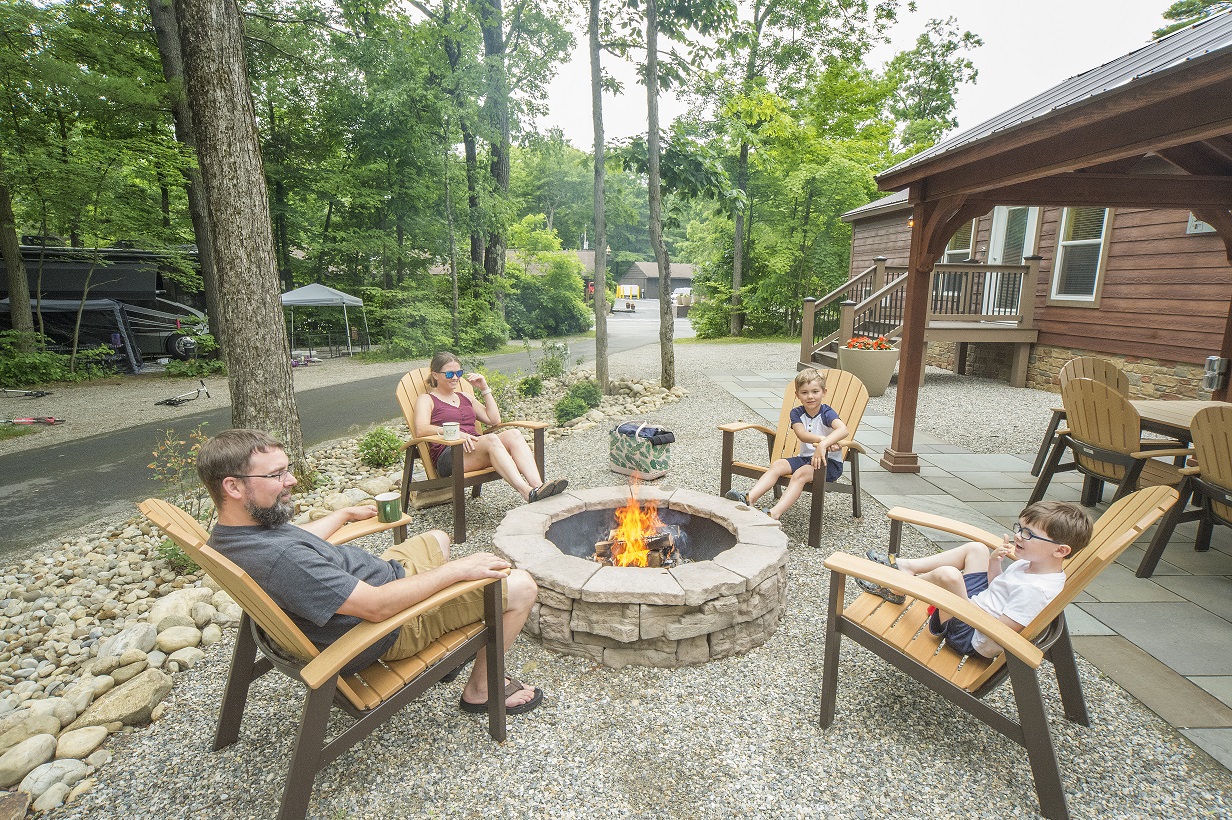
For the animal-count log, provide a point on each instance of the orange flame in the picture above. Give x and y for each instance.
(634, 524)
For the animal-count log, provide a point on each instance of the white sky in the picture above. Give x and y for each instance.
(1027, 48)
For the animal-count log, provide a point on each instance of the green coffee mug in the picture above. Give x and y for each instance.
(388, 509)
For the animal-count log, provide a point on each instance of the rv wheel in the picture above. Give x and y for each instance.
(181, 346)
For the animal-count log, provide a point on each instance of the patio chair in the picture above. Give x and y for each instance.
(371, 696)
(848, 396)
(1209, 485)
(1083, 367)
(1105, 439)
(898, 633)
(413, 385)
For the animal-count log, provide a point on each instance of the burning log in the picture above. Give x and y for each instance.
(660, 550)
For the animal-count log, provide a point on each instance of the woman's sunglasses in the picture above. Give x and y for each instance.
(452, 374)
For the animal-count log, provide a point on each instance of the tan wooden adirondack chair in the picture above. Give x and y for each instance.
(372, 695)
(413, 385)
(848, 396)
(1105, 438)
(1209, 484)
(898, 633)
(1083, 367)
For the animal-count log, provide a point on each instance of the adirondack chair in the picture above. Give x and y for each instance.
(1105, 439)
(372, 695)
(1209, 485)
(848, 396)
(413, 385)
(898, 633)
(1083, 367)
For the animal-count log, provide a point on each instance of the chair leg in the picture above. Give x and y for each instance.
(1163, 534)
(1061, 654)
(1037, 740)
(493, 619)
(1049, 435)
(725, 468)
(235, 696)
(829, 665)
(459, 503)
(306, 759)
(818, 507)
(1206, 528)
(1092, 491)
(855, 484)
(1045, 478)
(408, 470)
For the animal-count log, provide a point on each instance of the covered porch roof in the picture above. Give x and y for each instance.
(1150, 129)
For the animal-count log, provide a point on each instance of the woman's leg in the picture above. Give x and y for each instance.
(490, 452)
(522, 455)
(794, 488)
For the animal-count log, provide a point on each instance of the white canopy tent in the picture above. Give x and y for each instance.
(323, 296)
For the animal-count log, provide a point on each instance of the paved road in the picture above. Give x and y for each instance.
(51, 490)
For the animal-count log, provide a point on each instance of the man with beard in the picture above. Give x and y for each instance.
(328, 589)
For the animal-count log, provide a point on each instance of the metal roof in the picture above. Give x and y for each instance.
(896, 201)
(1214, 34)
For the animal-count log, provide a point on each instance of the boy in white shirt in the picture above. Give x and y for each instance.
(1045, 533)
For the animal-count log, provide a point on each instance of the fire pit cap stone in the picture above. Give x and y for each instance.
(524, 550)
(621, 584)
(558, 506)
(754, 562)
(563, 573)
(705, 580)
(600, 498)
(761, 536)
(693, 502)
(526, 520)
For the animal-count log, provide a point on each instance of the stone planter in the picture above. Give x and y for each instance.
(873, 367)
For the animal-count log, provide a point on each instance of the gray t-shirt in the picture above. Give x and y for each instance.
(309, 578)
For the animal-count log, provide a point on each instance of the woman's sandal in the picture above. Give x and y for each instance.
(548, 489)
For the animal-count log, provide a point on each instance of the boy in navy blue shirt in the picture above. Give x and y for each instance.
(819, 430)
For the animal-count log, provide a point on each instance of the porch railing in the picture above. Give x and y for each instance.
(822, 320)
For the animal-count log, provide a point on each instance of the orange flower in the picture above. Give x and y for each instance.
(865, 343)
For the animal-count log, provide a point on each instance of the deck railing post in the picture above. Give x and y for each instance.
(846, 321)
(1026, 293)
(807, 329)
(879, 273)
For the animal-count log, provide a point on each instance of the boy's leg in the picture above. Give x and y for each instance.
(968, 558)
(794, 488)
(768, 479)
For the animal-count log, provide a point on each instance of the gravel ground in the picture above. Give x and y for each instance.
(733, 738)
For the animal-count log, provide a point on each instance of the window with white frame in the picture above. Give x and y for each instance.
(959, 247)
(1079, 253)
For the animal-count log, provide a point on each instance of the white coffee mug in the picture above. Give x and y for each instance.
(449, 431)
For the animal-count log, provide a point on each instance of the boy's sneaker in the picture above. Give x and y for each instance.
(880, 591)
(736, 495)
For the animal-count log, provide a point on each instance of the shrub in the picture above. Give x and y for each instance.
(175, 465)
(588, 392)
(23, 369)
(176, 558)
(552, 364)
(196, 368)
(379, 448)
(530, 387)
(569, 408)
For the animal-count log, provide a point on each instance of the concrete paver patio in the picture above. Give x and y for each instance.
(1167, 640)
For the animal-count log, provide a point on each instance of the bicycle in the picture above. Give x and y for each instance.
(26, 394)
(184, 398)
(35, 420)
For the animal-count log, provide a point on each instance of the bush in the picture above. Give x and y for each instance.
(530, 387)
(23, 369)
(545, 297)
(588, 392)
(569, 408)
(552, 364)
(196, 368)
(176, 558)
(379, 448)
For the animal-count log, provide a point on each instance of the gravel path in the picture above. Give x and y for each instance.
(733, 738)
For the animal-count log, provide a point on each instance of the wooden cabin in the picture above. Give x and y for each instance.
(645, 275)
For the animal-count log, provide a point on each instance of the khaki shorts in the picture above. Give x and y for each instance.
(419, 554)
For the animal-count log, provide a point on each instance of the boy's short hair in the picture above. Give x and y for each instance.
(227, 454)
(1064, 522)
(808, 375)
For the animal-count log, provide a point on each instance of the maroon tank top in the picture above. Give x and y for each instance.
(463, 414)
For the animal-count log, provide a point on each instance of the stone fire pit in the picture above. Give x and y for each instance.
(727, 599)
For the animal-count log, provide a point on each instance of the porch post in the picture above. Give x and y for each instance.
(879, 272)
(807, 323)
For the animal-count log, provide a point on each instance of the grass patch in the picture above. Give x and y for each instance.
(738, 340)
(8, 431)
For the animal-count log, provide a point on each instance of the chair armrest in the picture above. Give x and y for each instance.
(358, 529)
(737, 426)
(528, 425)
(342, 651)
(852, 444)
(1153, 443)
(434, 439)
(1180, 451)
(943, 599)
(943, 524)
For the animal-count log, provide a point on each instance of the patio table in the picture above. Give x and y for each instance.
(1171, 418)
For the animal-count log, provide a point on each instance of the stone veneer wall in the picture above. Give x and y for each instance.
(1148, 378)
(618, 616)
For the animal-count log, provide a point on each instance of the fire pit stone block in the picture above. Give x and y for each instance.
(620, 622)
(641, 584)
(705, 580)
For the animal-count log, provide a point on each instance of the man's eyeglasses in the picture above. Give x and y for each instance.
(1027, 535)
(452, 374)
(281, 475)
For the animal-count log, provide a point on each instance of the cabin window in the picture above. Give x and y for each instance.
(1076, 275)
(959, 248)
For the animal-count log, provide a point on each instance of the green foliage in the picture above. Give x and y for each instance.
(927, 78)
(1188, 12)
(569, 408)
(8, 431)
(207, 346)
(530, 386)
(546, 297)
(23, 364)
(379, 447)
(588, 392)
(551, 363)
(196, 368)
(175, 466)
(176, 558)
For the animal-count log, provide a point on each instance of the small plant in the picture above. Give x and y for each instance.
(175, 465)
(170, 552)
(194, 368)
(530, 387)
(866, 343)
(569, 408)
(588, 392)
(552, 364)
(379, 448)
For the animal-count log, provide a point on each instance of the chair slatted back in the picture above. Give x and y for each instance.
(413, 385)
(1100, 416)
(1100, 370)
(844, 392)
(1114, 531)
(1211, 431)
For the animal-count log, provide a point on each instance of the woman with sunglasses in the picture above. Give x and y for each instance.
(507, 452)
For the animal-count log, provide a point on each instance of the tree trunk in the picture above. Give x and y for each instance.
(165, 30)
(600, 300)
(18, 281)
(472, 200)
(492, 22)
(253, 330)
(666, 351)
(453, 252)
(742, 182)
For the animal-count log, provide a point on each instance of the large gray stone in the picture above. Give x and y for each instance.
(554, 624)
(178, 637)
(139, 636)
(53, 797)
(80, 692)
(565, 574)
(57, 707)
(640, 584)
(129, 671)
(129, 704)
(524, 550)
(13, 805)
(756, 563)
(693, 650)
(80, 742)
(24, 758)
(617, 621)
(31, 726)
(43, 777)
(703, 580)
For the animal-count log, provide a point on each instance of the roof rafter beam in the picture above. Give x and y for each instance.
(1115, 190)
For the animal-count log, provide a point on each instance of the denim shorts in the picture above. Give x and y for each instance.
(834, 469)
(956, 633)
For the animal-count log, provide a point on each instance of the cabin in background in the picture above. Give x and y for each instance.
(646, 276)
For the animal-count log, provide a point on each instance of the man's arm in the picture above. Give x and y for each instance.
(327, 526)
(376, 603)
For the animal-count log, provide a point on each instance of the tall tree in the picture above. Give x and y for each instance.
(255, 339)
(596, 115)
(667, 351)
(926, 78)
(15, 268)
